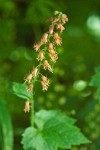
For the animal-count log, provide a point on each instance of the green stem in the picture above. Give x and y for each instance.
(32, 112)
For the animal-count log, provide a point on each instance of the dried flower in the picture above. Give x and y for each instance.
(57, 39)
(45, 83)
(51, 28)
(40, 56)
(47, 66)
(28, 78)
(30, 87)
(64, 18)
(34, 72)
(37, 46)
(44, 38)
(60, 27)
(27, 107)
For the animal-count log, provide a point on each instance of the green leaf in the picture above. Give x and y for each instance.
(20, 90)
(54, 131)
(95, 81)
(6, 128)
(42, 117)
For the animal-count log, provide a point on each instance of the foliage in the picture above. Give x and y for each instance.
(53, 130)
(7, 132)
(21, 25)
(95, 81)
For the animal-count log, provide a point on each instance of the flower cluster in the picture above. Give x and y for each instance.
(47, 53)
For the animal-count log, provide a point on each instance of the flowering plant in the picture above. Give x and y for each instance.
(48, 130)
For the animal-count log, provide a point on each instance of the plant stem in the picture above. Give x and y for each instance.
(32, 112)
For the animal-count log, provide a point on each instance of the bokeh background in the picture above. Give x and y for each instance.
(22, 22)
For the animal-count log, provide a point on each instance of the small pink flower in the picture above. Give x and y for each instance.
(27, 107)
(64, 18)
(37, 46)
(50, 47)
(46, 65)
(60, 27)
(44, 79)
(40, 56)
(53, 55)
(28, 78)
(51, 28)
(34, 72)
(53, 19)
(44, 38)
(45, 83)
(56, 36)
(57, 39)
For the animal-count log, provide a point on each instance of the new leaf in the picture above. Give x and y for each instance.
(20, 90)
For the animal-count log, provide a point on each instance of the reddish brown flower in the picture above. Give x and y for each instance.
(46, 65)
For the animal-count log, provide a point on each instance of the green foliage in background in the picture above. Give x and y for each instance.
(21, 24)
(6, 131)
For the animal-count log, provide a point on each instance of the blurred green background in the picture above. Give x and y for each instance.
(22, 22)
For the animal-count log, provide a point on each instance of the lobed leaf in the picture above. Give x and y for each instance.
(54, 131)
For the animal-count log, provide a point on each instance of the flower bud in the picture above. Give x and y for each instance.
(51, 28)
(28, 78)
(34, 72)
(64, 18)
